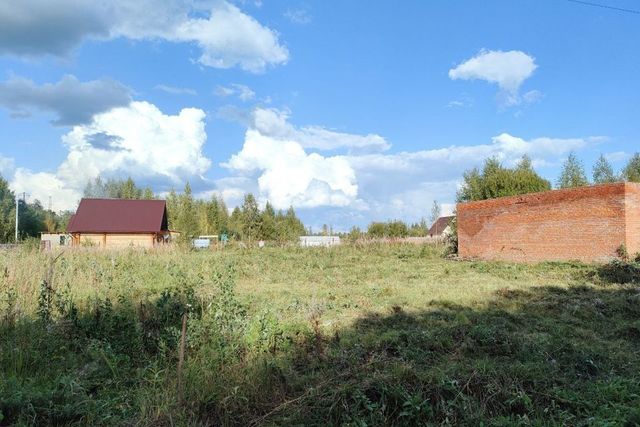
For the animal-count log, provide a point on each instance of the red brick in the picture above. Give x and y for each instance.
(586, 223)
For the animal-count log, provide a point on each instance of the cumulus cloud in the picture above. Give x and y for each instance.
(406, 183)
(71, 101)
(243, 92)
(275, 123)
(277, 163)
(42, 185)
(506, 69)
(287, 175)
(138, 140)
(226, 36)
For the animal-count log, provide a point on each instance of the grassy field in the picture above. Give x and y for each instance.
(353, 336)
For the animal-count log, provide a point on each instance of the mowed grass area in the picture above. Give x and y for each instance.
(354, 336)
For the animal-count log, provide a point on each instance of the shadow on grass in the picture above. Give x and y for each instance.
(619, 271)
(546, 356)
(551, 356)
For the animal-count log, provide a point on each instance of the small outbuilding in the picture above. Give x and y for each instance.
(441, 226)
(49, 241)
(118, 223)
(326, 241)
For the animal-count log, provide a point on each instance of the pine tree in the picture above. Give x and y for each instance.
(603, 172)
(128, 190)
(147, 194)
(95, 189)
(223, 217)
(209, 217)
(173, 208)
(295, 227)
(631, 171)
(235, 223)
(572, 174)
(202, 217)
(187, 219)
(250, 218)
(268, 223)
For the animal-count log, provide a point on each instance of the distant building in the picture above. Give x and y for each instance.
(117, 223)
(441, 226)
(204, 242)
(308, 241)
(49, 241)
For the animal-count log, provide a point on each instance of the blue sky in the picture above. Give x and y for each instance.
(349, 111)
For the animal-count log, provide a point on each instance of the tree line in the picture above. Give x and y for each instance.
(197, 217)
(496, 180)
(248, 222)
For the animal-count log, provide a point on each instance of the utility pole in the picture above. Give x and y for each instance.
(17, 216)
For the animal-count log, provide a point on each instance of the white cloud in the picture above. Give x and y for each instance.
(42, 186)
(138, 140)
(230, 38)
(298, 16)
(275, 123)
(7, 166)
(175, 90)
(506, 69)
(290, 176)
(226, 36)
(357, 187)
(532, 96)
(243, 92)
(465, 101)
(405, 184)
(144, 142)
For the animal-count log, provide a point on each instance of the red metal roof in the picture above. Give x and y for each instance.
(119, 216)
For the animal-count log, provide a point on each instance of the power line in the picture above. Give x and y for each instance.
(604, 6)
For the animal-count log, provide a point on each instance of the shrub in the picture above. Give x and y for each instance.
(620, 271)
(451, 238)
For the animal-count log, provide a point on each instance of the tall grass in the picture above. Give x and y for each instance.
(374, 334)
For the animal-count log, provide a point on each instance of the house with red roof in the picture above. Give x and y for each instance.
(441, 226)
(119, 223)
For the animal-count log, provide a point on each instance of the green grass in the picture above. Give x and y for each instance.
(354, 336)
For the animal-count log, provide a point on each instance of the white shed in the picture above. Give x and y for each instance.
(326, 241)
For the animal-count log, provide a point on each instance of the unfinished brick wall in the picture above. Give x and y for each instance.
(587, 224)
(633, 217)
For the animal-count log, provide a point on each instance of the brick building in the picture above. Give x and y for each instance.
(586, 223)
